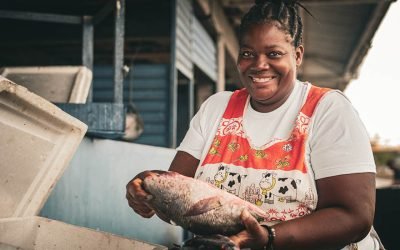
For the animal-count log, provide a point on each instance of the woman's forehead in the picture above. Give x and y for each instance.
(267, 33)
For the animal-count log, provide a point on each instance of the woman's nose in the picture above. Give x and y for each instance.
(261, 62)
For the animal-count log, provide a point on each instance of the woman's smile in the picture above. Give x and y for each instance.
(262, 81)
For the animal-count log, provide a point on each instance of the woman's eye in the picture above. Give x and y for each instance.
(274, 54)
(246, 54)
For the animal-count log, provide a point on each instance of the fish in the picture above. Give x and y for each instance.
(197, 206)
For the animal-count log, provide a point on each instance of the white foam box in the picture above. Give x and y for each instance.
(37, 141)
(58, 84)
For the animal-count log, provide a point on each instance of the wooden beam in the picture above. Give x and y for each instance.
(221, 24)
(87, 48)
(342, 2)
(40, 17)
(119, 34)
(221, 64)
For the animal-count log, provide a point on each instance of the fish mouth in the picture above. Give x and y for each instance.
(150, 174)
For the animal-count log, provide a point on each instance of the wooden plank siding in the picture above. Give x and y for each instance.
(184, 37)
(147, 86)
(204, 53)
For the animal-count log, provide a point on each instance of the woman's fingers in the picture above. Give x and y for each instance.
(254, 235)
(137, 197)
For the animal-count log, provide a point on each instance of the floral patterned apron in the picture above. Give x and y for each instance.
(274, 176)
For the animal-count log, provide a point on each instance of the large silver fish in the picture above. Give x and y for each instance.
(196, 205)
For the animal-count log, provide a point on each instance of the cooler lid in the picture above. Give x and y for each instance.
(37, 141)
(58, 84)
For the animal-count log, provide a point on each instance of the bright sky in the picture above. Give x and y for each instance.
(376, 92)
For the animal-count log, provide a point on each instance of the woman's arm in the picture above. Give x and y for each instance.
(184, 164)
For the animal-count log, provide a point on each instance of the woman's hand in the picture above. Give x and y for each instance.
(254, 236)
(137, 197)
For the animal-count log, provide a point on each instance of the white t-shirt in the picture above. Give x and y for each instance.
(337, 144)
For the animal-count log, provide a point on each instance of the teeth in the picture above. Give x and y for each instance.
(261, 79)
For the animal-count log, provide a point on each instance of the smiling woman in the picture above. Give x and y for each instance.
(290, 148)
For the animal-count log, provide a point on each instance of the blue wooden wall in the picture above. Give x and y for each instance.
(148, 87)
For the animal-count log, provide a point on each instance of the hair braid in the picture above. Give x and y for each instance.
(299, 25)
(285, 12)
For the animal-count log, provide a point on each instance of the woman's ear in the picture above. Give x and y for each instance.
(299, 54)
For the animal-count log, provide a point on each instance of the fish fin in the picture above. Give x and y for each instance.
(204, 206)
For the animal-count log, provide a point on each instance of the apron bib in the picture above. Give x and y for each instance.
(274, 176)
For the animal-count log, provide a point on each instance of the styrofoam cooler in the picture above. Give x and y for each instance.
(58, 84)
(37, 141)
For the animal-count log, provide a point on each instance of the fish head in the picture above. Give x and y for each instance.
(163, 183)
(159, 177)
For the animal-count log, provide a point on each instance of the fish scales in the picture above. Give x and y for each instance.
(196, 205)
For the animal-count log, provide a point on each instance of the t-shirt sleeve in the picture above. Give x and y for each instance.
(203, 124)
(193, 142)
(339, 143)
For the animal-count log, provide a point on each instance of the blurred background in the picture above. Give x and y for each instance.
(374, 93)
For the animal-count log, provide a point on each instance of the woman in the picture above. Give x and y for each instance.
(301, 152)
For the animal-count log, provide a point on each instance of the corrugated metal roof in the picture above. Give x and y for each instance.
(336, 39)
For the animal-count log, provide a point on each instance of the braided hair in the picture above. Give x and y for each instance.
(285, 12)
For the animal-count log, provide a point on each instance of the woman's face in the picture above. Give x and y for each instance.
(267, 65)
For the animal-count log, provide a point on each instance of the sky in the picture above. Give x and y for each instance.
(376, 92)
